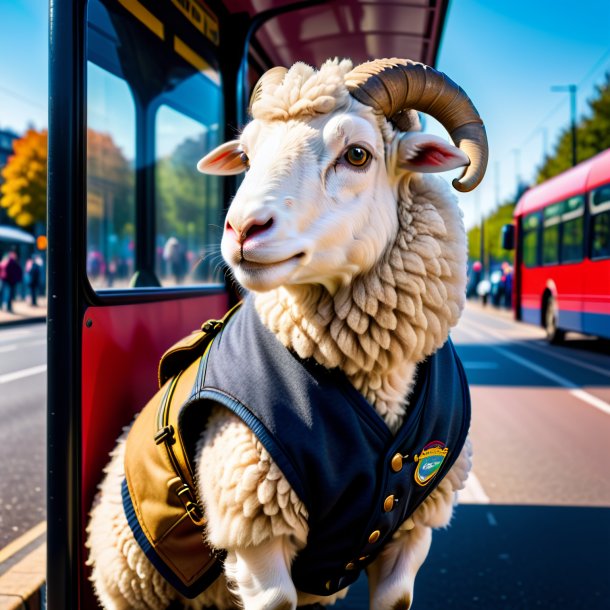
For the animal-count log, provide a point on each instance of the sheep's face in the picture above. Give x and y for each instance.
(317, 204)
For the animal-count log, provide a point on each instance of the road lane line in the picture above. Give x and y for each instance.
(475, 334)
(479, 365)
(35, 370)
(473, 492)
(20, 543)
(574, 390)
(550, 351)
(594, 401)
(7, 348)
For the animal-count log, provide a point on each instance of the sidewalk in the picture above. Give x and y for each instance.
(23, 313)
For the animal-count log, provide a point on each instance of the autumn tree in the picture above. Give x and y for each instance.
(110, 185)
(24, 191)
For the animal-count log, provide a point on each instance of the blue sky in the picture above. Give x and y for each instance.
(507, 54)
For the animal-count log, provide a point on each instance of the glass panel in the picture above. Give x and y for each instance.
(572, 240)
(530, 240)
(600, 243)
(552, 213)
(550, 244)
(110, 179)
(600, 198)
(188, 203)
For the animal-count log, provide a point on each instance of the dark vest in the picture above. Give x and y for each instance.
(358, 481)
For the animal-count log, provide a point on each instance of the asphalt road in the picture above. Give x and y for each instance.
(533, 528)
(23, 396)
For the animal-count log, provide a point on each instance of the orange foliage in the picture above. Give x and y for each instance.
(24, 192)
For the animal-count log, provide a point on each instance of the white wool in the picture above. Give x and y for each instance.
(305, 92)
(398, 257)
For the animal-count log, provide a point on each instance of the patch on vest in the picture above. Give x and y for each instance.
(429, 462)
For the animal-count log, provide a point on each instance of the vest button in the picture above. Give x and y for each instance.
(388, 503)
(350, 566)
(396, 462)
(374, 536)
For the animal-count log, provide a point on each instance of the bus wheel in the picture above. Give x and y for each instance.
(553, 333)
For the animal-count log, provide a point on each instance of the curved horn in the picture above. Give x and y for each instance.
(394, 86)
(274, 76)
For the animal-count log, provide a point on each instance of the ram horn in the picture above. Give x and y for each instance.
(393, 87)
(274, 76)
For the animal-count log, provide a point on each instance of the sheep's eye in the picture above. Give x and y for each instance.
(357, 156)
(244, 159)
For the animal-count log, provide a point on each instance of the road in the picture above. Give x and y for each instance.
(539, 495)
(23, 356)
(541, 413)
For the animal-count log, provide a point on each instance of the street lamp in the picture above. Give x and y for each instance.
(572, 90)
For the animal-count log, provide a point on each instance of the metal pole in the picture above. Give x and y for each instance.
(572, 89)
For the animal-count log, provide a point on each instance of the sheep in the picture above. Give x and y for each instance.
(354, 259)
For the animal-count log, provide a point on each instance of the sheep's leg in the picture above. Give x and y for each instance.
(392, 574)
(252, 513)
(261, 575)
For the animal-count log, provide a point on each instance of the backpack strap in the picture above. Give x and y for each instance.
(178, 357)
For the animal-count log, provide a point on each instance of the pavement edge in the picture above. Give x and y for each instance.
(22, 586)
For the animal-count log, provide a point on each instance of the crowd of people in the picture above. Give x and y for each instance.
(16, 280)
(495, 288)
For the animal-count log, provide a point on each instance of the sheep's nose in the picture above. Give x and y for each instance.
(248, 229)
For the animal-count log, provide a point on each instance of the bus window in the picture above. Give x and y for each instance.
(188, 204)
(600, 222)
(110, 179)
(531, 223)
(572, 237)
(550, 234)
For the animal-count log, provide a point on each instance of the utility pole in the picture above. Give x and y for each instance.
(517, 153)
(571, 89)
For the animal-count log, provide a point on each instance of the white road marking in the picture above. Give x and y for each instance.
(12, 348)
(16, 545)
(575, 391)
(35, 370)
(549, 351)
(468, 330)
(473, 492)
(479, 365)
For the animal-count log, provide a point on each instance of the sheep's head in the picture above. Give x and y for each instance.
(324, 154)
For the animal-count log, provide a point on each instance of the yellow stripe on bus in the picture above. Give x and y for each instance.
(140, 12)
(14, 547)
(195, 59)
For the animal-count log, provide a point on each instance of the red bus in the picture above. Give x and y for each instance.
(562, 261)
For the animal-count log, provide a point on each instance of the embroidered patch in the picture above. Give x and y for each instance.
(429, 462)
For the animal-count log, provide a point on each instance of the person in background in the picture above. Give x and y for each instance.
(11, 274)
(32, 269)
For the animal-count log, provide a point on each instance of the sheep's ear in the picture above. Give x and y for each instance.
(226, 160)
(421, 152)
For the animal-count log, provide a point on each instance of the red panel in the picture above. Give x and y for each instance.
(585, 176)
(121, 351)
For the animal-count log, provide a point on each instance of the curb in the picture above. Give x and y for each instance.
(22, 586)
(22, 321)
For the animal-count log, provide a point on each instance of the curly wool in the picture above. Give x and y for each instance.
(377, 328)
(305, 91)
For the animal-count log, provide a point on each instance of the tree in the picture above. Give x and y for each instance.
(494, 221)
(24, 191)
(592, 136)
(110, 200)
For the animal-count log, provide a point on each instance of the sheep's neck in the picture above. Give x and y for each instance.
(381, 325)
